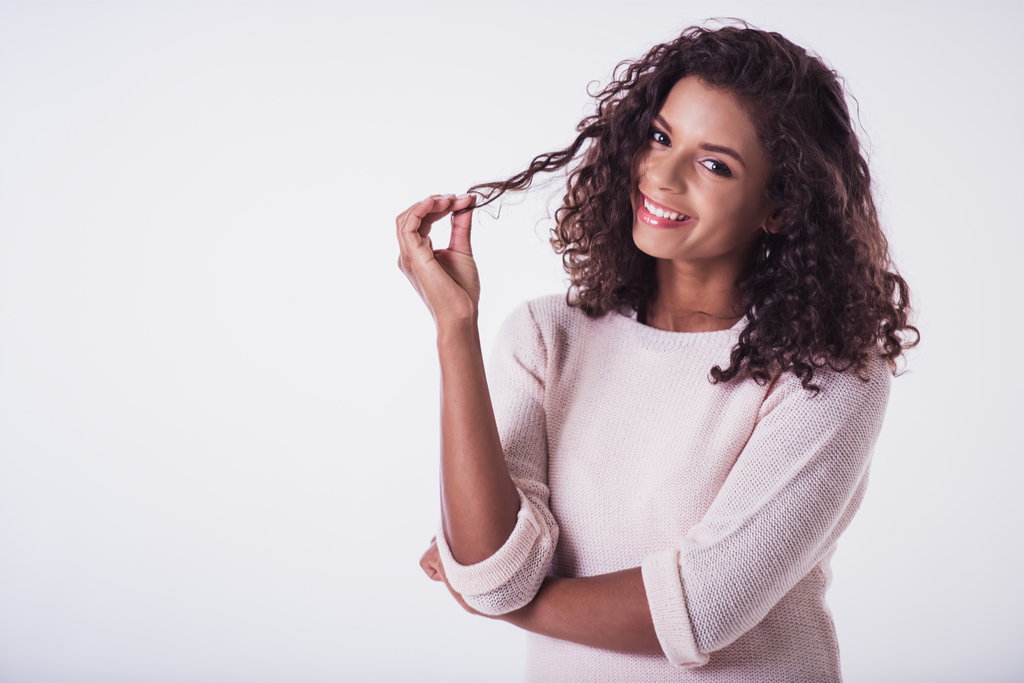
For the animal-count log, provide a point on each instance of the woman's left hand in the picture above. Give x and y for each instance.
(432, 567)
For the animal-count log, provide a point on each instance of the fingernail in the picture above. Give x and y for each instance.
(462, 196)
(424, 201)
(446, 196)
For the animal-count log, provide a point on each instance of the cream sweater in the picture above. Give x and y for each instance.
(731, 497)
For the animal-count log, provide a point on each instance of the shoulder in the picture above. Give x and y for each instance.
(545, 318)
(553, 311)
(844, 397)
(540, 331)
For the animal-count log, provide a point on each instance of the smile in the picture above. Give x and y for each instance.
(659, 215)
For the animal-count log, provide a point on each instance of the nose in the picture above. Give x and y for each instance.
(667, 173)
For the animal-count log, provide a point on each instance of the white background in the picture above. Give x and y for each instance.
(218, 395)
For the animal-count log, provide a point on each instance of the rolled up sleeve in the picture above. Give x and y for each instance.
(511, 577)
(791, 493)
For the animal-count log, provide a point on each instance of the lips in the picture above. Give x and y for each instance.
(659, 215)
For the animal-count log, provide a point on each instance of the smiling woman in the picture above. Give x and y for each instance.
(691, 207)
(643, 512)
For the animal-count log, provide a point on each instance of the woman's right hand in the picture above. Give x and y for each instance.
(446, 279)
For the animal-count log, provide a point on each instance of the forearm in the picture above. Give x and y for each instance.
(608, 611)
(479, 502)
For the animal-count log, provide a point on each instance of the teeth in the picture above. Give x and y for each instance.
(660, 213)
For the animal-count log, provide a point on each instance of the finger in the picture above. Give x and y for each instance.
(442, 575)
(442, 207)
(428, 566)
(410, 220)
(431, 553)
(462, 222)
(420, 208)
(432, 559)
(423, 213)
(414, 223)
(413, 226)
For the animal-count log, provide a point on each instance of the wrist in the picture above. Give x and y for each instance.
(449, 314)
(460, 328)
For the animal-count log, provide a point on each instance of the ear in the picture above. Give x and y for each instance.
(773, 223)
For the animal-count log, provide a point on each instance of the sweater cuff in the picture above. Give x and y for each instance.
(668, 609)
(498, 569)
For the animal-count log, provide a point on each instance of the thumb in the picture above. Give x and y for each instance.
(462, 222)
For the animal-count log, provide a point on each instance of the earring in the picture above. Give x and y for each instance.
(765, 251)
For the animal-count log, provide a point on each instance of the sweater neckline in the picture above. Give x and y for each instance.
(626, 318)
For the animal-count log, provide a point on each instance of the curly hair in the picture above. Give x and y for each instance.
(823, 290)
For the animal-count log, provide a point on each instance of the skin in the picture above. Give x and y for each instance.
(698, 263)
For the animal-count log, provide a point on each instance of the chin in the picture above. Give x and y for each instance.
(644, 242)
(647, 240)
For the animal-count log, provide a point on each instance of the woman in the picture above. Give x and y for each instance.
(675, 447)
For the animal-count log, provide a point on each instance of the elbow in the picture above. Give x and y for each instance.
(687, 637)
(510, 578)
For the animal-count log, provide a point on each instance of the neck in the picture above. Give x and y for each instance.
(693, 297)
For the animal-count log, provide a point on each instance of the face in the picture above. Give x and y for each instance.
(700, 195)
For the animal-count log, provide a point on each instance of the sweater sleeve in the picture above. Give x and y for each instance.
(511, 577)
(790, 494)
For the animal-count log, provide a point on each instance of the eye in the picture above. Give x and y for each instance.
(660, 137)
(716, 167)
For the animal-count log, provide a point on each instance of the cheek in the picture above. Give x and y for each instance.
(743, 213)
(639, 167)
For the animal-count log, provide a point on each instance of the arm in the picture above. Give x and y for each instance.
(509, 578)
(479, 502)
(609, 611)
(791, 493)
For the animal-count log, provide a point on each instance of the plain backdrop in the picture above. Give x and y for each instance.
(218, 394)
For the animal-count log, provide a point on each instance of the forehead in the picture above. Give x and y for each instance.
(697, 110)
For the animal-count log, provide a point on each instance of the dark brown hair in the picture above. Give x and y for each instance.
(823, 291)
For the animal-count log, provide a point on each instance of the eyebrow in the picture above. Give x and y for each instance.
(706, 146)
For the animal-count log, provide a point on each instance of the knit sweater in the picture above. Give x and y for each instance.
(729, 496)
